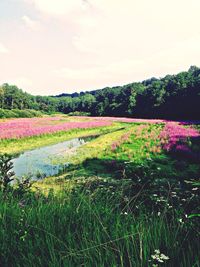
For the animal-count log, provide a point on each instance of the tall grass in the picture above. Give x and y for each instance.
(83, 229)
(12, 146)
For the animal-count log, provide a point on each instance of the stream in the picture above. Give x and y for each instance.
(41, 162)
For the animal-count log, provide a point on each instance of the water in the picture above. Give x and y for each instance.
(41, 162)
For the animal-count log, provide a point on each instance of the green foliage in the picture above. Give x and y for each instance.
(17, 113)
(98, 229)
(5, 113)
(78, 113)
(6, 173)
(174, 97)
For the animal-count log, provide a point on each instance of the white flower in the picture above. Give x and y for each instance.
(124, 213)
(159, 257)
(164, 257)
(195, 188)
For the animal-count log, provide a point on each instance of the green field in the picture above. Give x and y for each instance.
(122, 201)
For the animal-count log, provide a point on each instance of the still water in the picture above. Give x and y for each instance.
(41, 162)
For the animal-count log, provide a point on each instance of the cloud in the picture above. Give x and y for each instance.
(82, 45)
(30, 23)
(58, 7)
(3, 49)
(114, 73)
(167, 61)
(96, 43)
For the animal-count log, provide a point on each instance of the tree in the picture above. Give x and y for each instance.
(2, 96)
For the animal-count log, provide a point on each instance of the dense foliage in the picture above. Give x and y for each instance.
(19, 113)
(174, 96)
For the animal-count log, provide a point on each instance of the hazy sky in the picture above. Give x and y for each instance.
(53, 46)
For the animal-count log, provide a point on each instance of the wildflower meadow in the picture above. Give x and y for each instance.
(20, 128)
(129, 196)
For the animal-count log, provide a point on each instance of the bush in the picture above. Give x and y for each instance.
(78, 113)
(4, 113)
(17, 113)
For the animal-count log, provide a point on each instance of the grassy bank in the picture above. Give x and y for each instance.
(139, 157)
(13, 146)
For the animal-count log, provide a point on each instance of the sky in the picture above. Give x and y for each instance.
(61, 46)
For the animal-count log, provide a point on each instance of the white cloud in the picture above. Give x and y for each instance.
(3, 49)
(82, 45)
(96, 43)
(117, 72)
(134, 26)
(58, 7)
(168, 61)
(30, 23)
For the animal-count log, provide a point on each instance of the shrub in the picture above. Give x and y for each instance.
(17, 113)
(79, 113)
(6, 173)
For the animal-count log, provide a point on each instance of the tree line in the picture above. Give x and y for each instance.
(171, 97)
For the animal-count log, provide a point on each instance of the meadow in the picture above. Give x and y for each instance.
(129, 197)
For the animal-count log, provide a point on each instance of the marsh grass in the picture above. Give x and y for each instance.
(82, 228)
(108, 209)
(14, 146)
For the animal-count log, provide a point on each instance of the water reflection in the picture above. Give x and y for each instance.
(41, 162)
